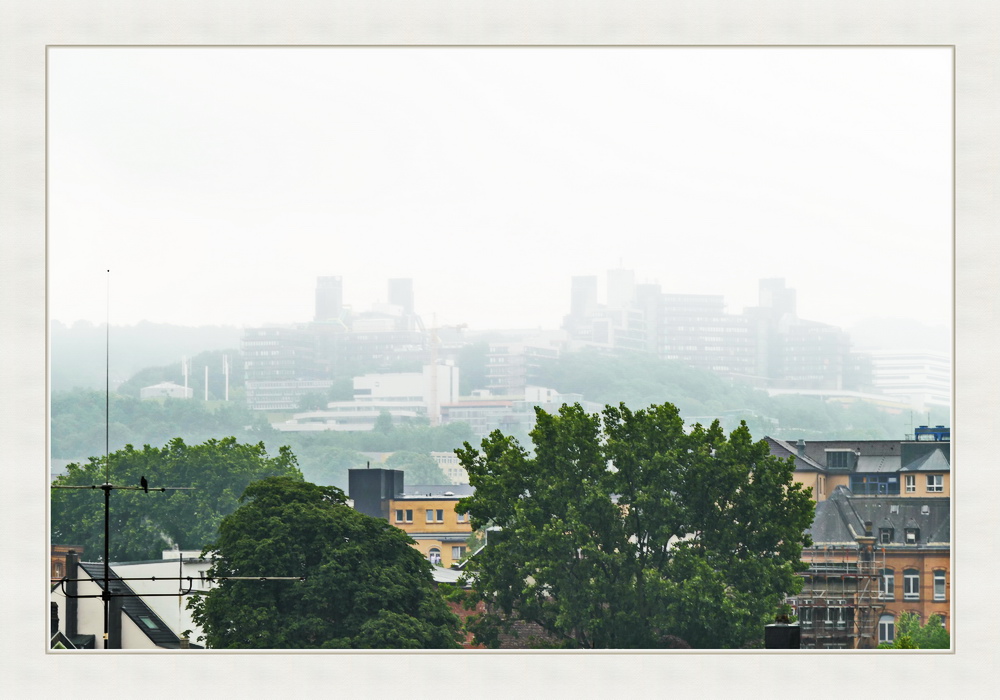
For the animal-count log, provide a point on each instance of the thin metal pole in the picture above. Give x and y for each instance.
(106, 594)
(107, 463)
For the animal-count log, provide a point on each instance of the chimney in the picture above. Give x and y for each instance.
(800, 447)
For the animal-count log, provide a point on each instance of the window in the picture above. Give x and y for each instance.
(409, 516)
(885, 535)
(440, 516)
(806, 617)
(886, 629)
(457, 552)
(939, 585)
(935, 483)
(837, 615)
(841, 459)
(911, 584)
(399, 516)
(874, 484)
(460, 517)
(912, 535)
(887, 585)
(434, 556)
(430, 515)
(911, 483)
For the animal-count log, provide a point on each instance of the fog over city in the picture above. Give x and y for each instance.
(218, 184)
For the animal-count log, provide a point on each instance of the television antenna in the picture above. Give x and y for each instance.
(107, 487)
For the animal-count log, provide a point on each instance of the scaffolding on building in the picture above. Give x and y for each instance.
(839, 604)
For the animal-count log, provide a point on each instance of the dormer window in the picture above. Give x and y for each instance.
(841, 459)
(935, 483)
(912, 535)
(885, 535)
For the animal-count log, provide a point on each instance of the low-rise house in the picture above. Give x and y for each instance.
(78, 612)
(425, 513)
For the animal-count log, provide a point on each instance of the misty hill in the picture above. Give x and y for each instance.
(78, 351)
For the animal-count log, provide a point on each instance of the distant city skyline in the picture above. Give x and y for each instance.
(218, 184)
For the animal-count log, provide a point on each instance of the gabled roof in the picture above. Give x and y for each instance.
(783, 450)
(132, 605)
(935, 461)
(842, 517)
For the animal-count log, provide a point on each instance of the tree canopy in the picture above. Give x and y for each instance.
(144, 524)
(364, 586)
(625, 531)
(910, 634)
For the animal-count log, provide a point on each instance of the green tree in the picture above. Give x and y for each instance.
(910, 634)
(383, 423)
(143, 524)
(364, 586)
(624, 530)
(419, 468)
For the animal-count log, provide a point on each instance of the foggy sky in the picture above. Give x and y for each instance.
(217, 184)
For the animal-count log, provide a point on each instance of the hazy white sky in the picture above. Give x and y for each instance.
(217, 184)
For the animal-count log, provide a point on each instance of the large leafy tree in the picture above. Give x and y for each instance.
(625, 531)
(363, 585)
(144, 524)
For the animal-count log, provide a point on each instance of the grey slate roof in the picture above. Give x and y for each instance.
(136, 608)
(877, 464)
(783, 450)
(935, 461)
(841, 518)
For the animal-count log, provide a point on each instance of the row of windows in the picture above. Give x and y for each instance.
(431, 515)
(886, 535)
(884, 484)
(911, 585)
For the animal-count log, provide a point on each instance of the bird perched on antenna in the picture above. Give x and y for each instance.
(144, 484)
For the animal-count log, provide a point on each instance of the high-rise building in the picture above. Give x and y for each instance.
(329, 298)
(621, 288)
(401, 294)
(583, 299)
